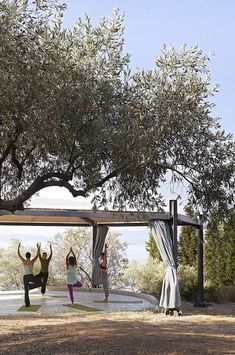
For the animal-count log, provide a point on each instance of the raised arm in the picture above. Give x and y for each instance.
(38, 253)
(72, 252)
(21, 258)
(50, 252)
(67, 258)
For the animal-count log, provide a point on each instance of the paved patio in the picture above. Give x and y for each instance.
(57, 300)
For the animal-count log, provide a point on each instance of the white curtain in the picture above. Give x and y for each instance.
(99, 244)
(170, 295)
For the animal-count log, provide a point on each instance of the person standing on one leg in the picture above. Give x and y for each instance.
(104, 274)
(30, 281)
(71, 265)
(43, 275)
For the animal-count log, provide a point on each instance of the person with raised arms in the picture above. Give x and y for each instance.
(104, 274)
(72, 281)
(30, 281)
(43, 275)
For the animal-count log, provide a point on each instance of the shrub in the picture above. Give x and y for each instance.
(145, 277)
(188, 282)
(151, 276)
(211, 294)
(226, 294)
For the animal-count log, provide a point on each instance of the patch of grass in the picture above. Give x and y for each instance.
(32, 308)
(121, 302)
(46, 296)
(80, 307)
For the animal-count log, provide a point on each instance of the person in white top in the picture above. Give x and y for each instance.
(30, 281)
(72, 281)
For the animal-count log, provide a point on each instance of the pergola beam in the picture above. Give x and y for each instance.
(65, 217)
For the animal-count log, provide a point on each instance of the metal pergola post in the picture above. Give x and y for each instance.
(200, 278)
(94, 235)
(174, 214)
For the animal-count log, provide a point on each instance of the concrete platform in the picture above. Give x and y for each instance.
(56, 298)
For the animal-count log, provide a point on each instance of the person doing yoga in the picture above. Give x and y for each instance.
(43, 275)
(71, 265)
(30, 281)
(104, 274)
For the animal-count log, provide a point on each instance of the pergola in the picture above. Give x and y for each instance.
(94, 219)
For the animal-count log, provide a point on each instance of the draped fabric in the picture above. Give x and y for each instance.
(99, 244)
(170, 295)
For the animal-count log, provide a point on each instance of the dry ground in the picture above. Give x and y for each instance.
(199, 331)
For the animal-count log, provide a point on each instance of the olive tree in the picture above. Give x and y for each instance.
(73, 115)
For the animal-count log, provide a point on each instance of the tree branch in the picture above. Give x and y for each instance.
(102, 181)
(38, 184)
(66, 184)
(6, 152)
(179, 172)
(16, 162)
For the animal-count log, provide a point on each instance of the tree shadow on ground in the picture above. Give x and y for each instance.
(106, 334)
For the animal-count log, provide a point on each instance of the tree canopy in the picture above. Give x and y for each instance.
(73, 115)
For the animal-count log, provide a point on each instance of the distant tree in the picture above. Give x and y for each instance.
(152, 248)
(229, 248)
(11, 269)
(73, 115)
(132, 276)
(147, 276)
(188, 282)
(188, 243)
(188, 246)
(220, 251)
(80, 239)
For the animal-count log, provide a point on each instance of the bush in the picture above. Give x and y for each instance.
(146, 277)
(226, 294)
(188, 282)
(211, 294)
(151, 276)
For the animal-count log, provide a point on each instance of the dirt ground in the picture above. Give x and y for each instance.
(199, 331)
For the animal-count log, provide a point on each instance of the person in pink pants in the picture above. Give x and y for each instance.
(72, 281)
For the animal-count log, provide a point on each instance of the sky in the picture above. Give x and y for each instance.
(149, 24)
